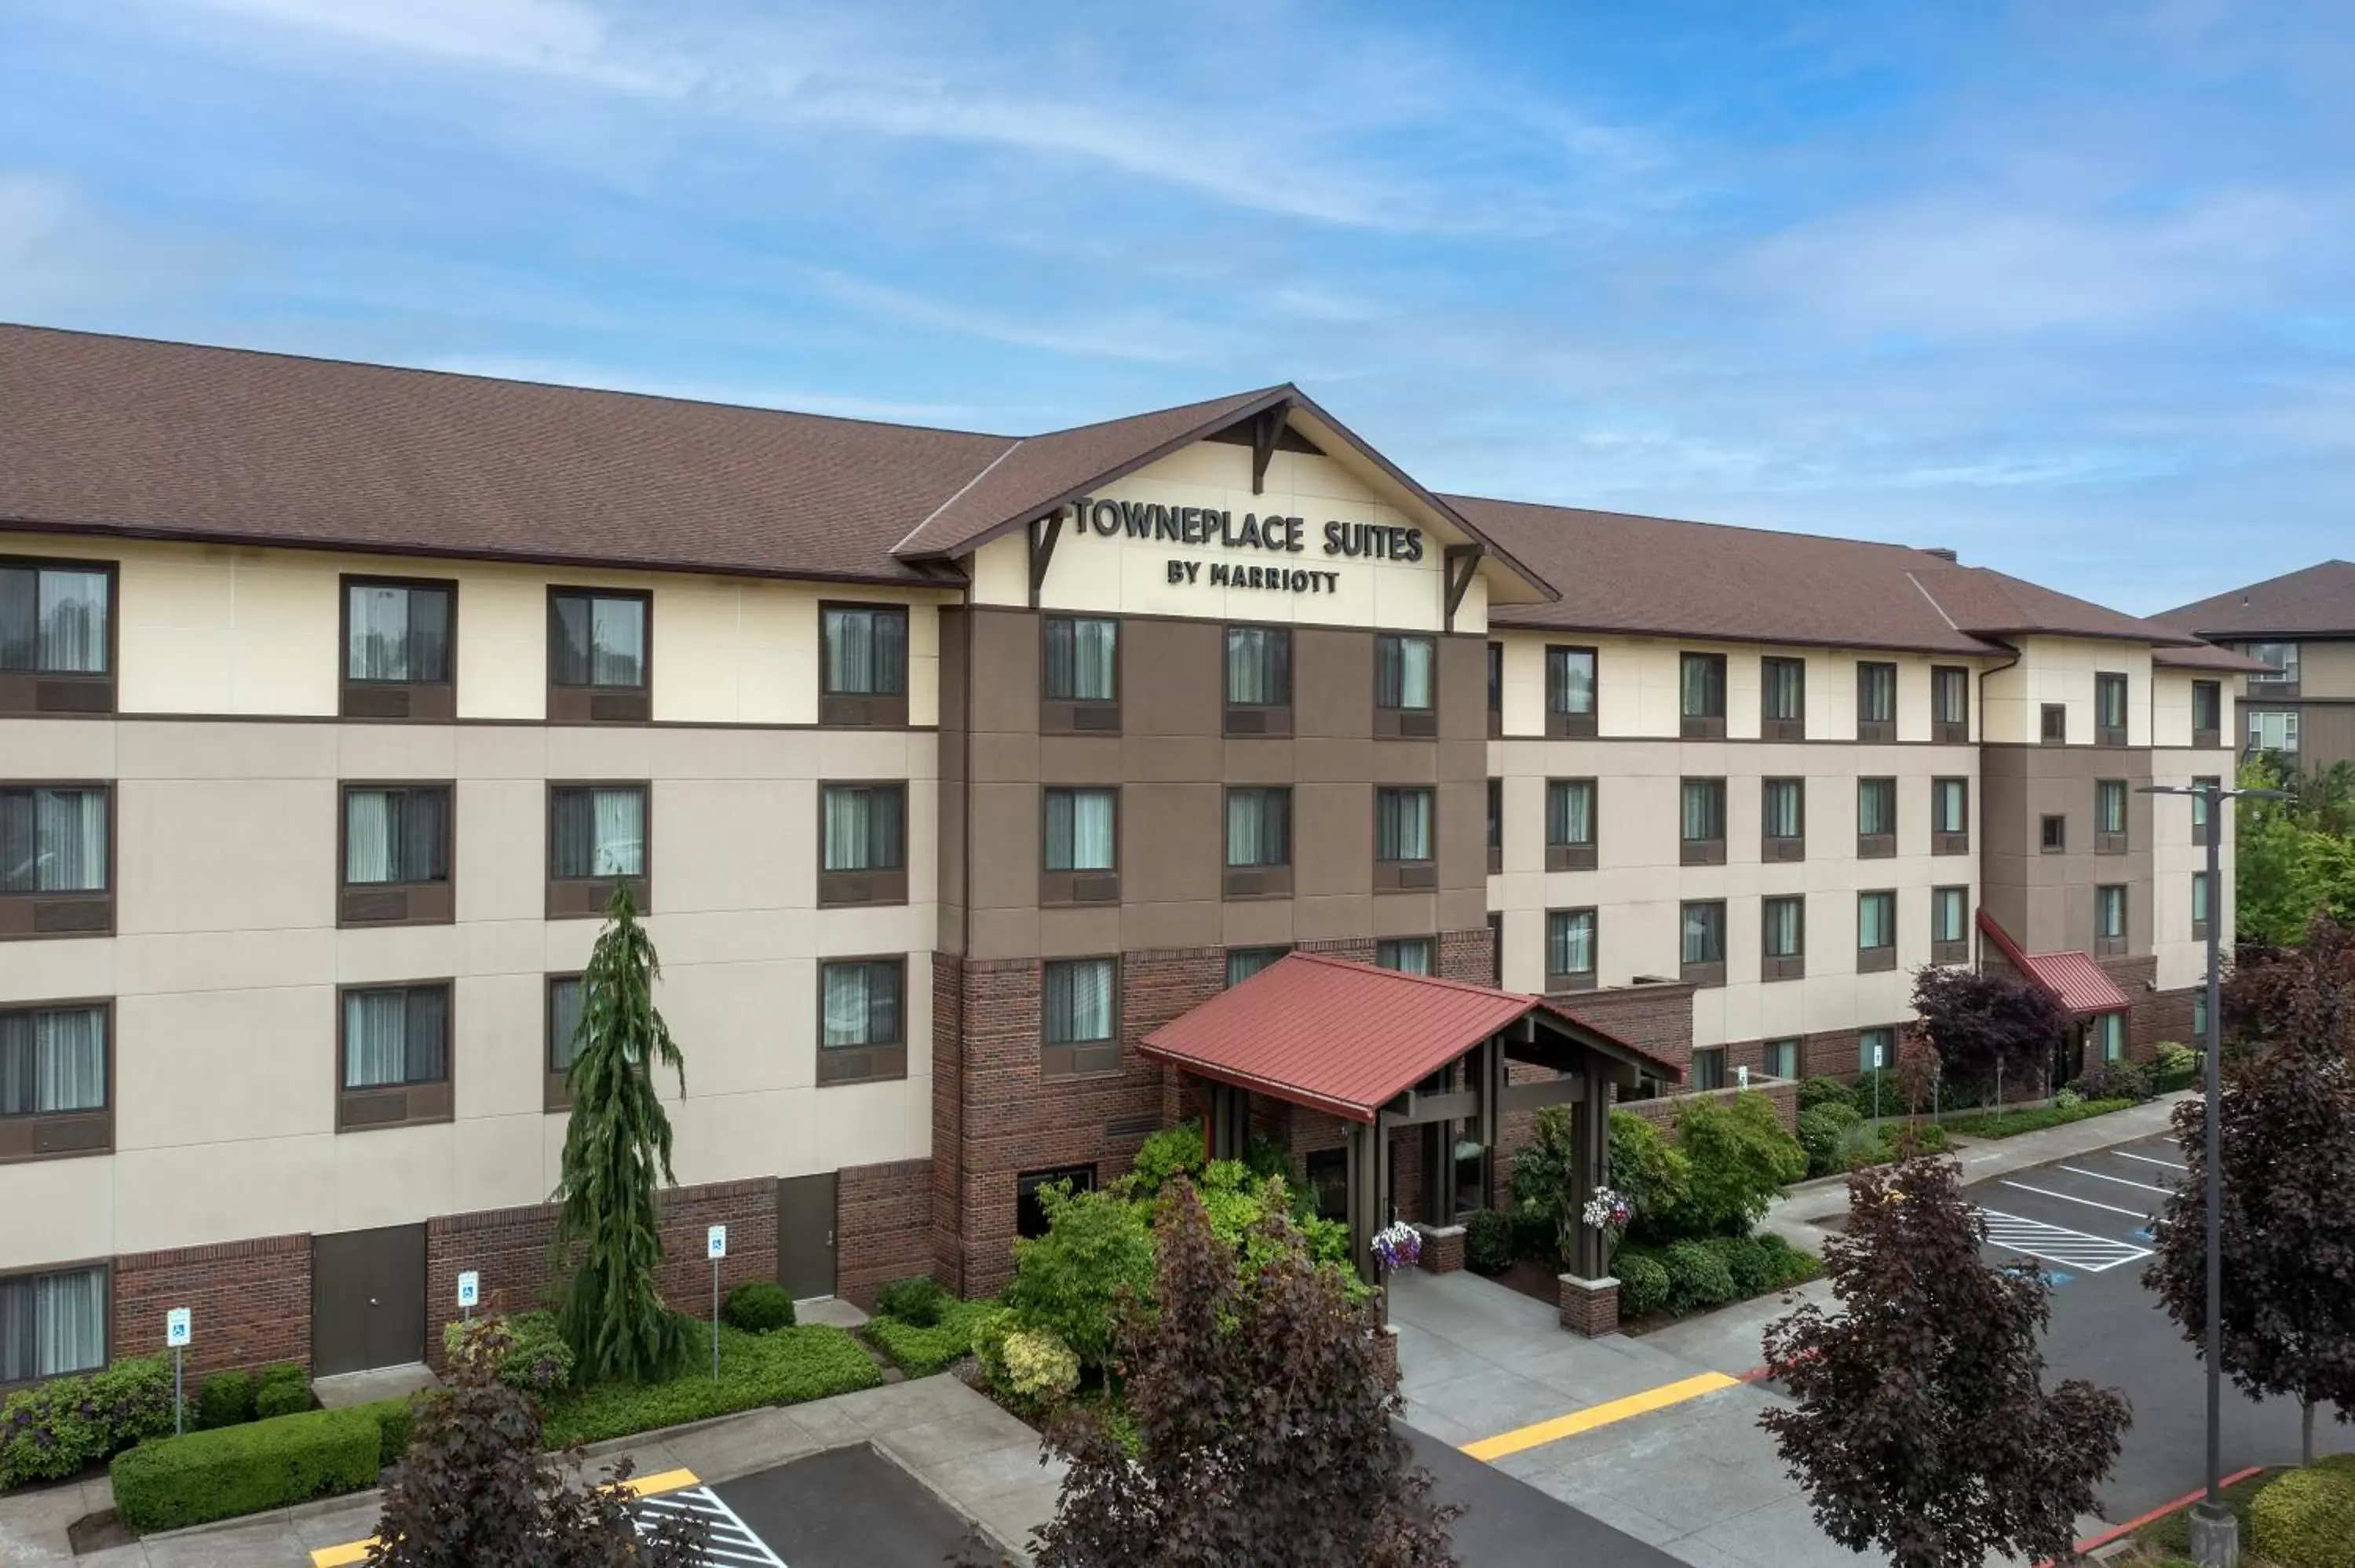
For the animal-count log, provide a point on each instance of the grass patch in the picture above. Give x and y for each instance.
(2012, 1123)
(2166, 1540)
(921, 1351)
(783, 1368)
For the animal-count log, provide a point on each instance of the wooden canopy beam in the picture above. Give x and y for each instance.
(1462, 562)
(1267, 428)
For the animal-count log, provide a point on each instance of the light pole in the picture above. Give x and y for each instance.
(2215, 1533)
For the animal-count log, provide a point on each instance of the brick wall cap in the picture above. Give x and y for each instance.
(1439, 1233)
(1608, 1282)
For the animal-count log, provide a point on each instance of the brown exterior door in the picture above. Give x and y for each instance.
(367, 1299)
(806, 1235)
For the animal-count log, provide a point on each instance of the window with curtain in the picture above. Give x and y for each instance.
(396, 835)
(395, 631)
(1079, 830)
(1570, 679)
(1081, 659)
(1259, 666)
(1704, 933)
(1402, 824)
(2200, 898)
(1402, 672)
(564, 999)
(1785, 808)
(1077, 1002)
(1950, 913)
(2273, 731)
(600, 830)
(2110, 806)
(53, 840)
(600, 639)
(2200, 1016)
(1950, 695)
(2207, 706)
(54, 619)
(864, 649)
(1704, 809)
(2200, 802)
(52, 1324)
(2282, 656)
(1950, 805)
(1569, 811)
(1783, 689)
(2110, 912)
(1569, 942)
(1876, 920)
(395, 1035)
(2110, 703)
(865, 826)
(1708, 1068)
(1875, 1049)
(1782, 1059)
(862, 1002)
(1785, 923)
(1259, 827)
(2110, 1035)
(1702, 685)
(1408, 954)
(1245, 962)
(52, 1059)
(1876, 807)
(1876, 691)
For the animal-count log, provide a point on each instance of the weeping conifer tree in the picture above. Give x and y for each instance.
(616, 1158)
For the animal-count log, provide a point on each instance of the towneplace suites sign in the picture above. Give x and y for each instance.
(1273, 535)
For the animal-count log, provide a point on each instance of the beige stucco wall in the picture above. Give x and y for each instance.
(2061, 670)
(2170, 706)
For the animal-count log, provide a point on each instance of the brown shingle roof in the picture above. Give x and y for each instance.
(2207, 656)
(2316, 601)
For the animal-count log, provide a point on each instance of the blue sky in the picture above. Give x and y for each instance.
(2066, 286)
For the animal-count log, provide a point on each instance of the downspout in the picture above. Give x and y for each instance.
(1978, 852)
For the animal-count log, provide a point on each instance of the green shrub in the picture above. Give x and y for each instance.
(2174, 1066)
(537, 1358)
(2305, 1519)
(225, 1399)
(174, 1482)
(1643, 1284)
(1172, 1151)
(1041, 1370)
(2010, 1124)
(1534, 1237)
(56, 1429)
(758, 1306)
(992, 1326)
(2119, 1080)
(1815, 1093)
(1740, 1159)
(1653, 1176)
(919, 1351)
(282, 1389)
(1488, 1242)
(394, 1418)
(1880, 1081)
(1097, 1249)
(1753, 1271)
(918, 1302)
(787, 1367)
(1697, 1277)
(1821, 1128)
(2067, 1099)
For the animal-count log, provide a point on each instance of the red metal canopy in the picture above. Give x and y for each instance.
(2072, 979)
(1349, 1038)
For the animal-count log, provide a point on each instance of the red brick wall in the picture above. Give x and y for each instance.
(1655, 1018)
(250, 1302)
(948, 1120)
(883, 1226)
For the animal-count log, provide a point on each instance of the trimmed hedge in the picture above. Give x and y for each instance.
(283, 1389)
(916, 1302)
(1643, 1284)
(1697, 1277)
(394, 1419)
(783, 1368)
(58, 1428)
(921, 1351)
(1488, 1242)
(225, 1399)
(2011, 1123)
(2307, 1518)
(171, 1483)
(758, 1306)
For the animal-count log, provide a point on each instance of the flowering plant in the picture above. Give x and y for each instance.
(1609, 1211)
(1398, 1246)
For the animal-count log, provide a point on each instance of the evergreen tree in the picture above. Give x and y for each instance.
(616, 1158)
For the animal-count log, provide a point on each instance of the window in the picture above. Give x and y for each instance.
(1259, 842)
(862, 665)
(1781, 1058)
(1783, 819)
(2200, 905)
(1496, 691)
(1081, 863)
(2207, 713)
(1950, 816)
(1784, 925)
(1245, 962)
(2200, 1016)
(1702, 824)
(1570, 693)
(1876, 817)
(1078, 1004)
(56, 861)
(1495, 825)
(1783, 699)
(1708, 1067)
(57, 637)
(1497, 950)
(1876, 931)
(1702, 699)
(1404, 699)
(1703, 950)
(862, 1020)
(1570, 950)
(52, 1324)
(1950, 703)
(2109, 816)
(1030, 1213)
(2109, 710)
(1876, 1049)
(53, 1076)
(1328, 1181)
(1402, 841)
(398, 649)
(563, 1044)
(2052, 834)
(395, 1056)
(1408, 954)
(395, 855)
(2201, 808)
(598, 657)
(1259, 680)
(862, 837)
(1570, 824)
(1080, 687)
(2110, 1035)
(597, 837)
(1876, 700)
(1950, 938)
(2274, 730)
(2053, 722)
(2109, 921)
(2282, 656)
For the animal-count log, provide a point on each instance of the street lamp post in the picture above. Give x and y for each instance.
(2215, 1533)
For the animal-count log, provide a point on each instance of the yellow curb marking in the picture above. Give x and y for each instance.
(352, 1552)
(1595, 1415)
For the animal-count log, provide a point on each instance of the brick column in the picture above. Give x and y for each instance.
(1385, 1365)
(1443, 1248)
(1590, 1307)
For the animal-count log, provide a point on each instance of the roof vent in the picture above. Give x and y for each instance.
(1944, 552)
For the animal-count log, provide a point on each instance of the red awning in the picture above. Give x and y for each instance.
(2081, 986)
(1349, 1038)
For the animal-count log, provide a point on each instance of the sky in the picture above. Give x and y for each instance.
(2065, 286)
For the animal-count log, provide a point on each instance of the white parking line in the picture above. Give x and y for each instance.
(2147, 1160)
(2057, 1243)
(2067, 1198)
(2079, 1171)
(731, 1543)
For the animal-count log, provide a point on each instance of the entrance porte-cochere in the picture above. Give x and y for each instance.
(1381, 1051)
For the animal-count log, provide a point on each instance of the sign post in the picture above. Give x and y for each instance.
(470, 1291)
(177, 1335)
(715, 1247)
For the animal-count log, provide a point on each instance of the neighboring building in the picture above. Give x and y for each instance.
(948, 766)
(2301, 627)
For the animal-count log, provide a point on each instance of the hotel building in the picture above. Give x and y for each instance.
(334, 700)
(2300, 628)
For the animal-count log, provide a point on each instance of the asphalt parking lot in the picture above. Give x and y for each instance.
(1508, 1523)
(846, 1507)
(2087, 1220)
